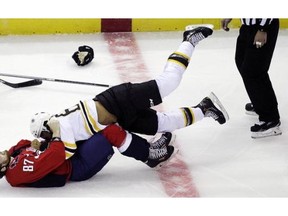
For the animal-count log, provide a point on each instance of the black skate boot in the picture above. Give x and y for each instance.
(266, 129)
(166, 139)
(197, 34)
(160, 156)
(209, 109)
(249, 108)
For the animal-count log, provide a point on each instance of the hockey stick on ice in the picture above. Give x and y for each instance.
(52, 79)
(22, 84)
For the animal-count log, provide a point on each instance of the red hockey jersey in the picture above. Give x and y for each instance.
(32, 168)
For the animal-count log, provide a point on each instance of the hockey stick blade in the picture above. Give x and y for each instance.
(39, 79)
(33, 82)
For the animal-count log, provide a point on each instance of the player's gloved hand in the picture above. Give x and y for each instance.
(36, 144)
(224, 24)
(54, 126)
(39, 144)
(84, 55)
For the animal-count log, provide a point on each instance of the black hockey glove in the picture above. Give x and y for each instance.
(84, 55)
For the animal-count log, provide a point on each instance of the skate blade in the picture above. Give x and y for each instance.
(190, 27)
(172, 141)
(251, 113)
(216, 101)
(270, 132)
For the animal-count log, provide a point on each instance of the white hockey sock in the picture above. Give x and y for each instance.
(180, 118)
(126, 143)
(176, 65)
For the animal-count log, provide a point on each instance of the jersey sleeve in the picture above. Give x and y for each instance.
(16, 149)
(32, 165)
(68, 138)
(264, 23)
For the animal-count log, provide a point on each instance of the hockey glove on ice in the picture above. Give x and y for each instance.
(83, 56)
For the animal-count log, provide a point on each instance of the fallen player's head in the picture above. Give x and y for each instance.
(4, 162)
(39, 127)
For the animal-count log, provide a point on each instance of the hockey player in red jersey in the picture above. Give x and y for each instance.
(27, 164)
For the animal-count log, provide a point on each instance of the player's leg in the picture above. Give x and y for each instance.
(179, 60)
(90, 157)
(154, 154)
(150, 122)
(210, 106)
(147, 94)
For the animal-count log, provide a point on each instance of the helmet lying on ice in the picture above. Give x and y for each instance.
(39, 123)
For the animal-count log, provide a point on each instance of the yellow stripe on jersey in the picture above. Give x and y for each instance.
(90, 123)
(91, 119)
(70, 149)
(68, 154)
(88, 130)
(70, 145)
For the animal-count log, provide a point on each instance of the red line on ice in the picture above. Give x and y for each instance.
(126, 54)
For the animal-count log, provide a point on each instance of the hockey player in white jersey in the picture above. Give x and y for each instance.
(129, 105)
(74, 132)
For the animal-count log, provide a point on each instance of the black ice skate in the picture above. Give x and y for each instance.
(160, 156)
(194, 36)
(209, 109)
(266, 129)
(249, 108)
(166, 139)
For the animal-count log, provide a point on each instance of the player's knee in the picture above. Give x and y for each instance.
(114, 134)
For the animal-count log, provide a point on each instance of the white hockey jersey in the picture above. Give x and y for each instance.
(78, 123)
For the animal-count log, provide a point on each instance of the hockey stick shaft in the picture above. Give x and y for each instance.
(54, 80)
(22, 84)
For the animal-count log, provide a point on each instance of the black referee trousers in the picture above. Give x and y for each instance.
(253, 64)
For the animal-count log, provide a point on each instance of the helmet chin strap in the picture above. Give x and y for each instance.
(44, 128)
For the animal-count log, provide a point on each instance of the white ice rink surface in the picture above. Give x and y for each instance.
(222, 161)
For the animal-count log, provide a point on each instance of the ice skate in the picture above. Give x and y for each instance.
(160, 156)
(166, 139)
(266, 129)
(212, 107)
(195, 35)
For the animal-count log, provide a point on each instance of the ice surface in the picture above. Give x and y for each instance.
(221, 161)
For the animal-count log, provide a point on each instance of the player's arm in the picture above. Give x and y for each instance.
(47, 161)
(16, 149)
(54, 126)
(31, 166)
